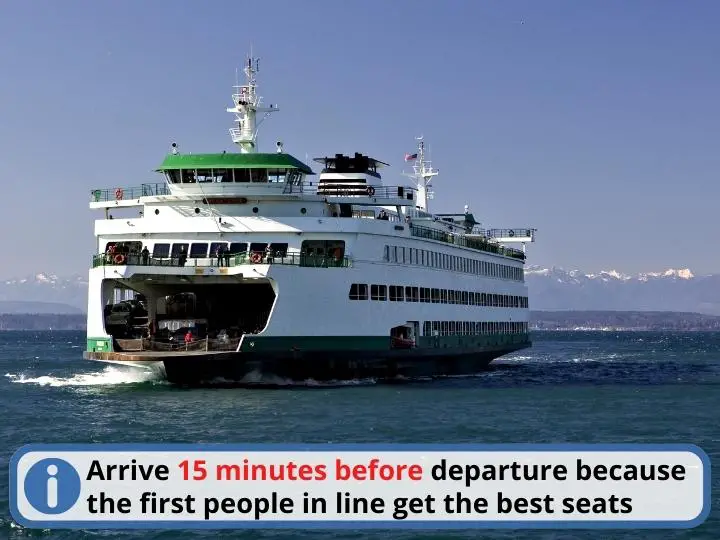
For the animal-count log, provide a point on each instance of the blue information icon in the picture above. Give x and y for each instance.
(52, 486)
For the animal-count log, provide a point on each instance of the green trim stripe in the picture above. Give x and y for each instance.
(233, 161)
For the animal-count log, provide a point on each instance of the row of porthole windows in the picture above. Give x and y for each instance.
(443, 261)
(472, 328)
(399, 293)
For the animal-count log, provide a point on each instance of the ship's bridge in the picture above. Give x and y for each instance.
(214, 175)
(349, 175)
(219, 174)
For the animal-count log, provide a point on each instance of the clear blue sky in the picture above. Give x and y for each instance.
(596, 122)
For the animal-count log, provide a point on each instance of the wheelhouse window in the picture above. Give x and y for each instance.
(276, 176)
(259, 175)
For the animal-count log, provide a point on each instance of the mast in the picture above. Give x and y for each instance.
(422, 174)
(247, 105)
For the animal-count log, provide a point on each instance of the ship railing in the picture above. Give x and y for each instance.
(377, 192)
(282, 259)
(459, 240)
(511, 233)
(129, 193)
(163, 345)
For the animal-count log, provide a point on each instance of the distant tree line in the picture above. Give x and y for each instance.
(623, 320)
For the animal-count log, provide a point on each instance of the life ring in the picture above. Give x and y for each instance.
(119, 258)
(370, 191)
(256, 257)
(119, 193)
(511, 233)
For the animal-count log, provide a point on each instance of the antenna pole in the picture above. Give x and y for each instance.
(422, 174)
(247, 105)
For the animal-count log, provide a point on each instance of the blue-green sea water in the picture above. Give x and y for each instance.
(581, 387)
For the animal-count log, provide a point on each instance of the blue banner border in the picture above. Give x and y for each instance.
(361, 447)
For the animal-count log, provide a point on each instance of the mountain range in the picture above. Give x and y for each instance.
(669, 290)
(549, 289)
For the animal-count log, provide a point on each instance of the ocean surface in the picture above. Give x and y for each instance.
(581, 387)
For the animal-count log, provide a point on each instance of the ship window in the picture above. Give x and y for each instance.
(223, 175)
(214, 247)
(187, 176)
(318, 247)
(378, 292)
(198, 250)
(465, 298)
(444, 296)
(426, 328)
(177, 248)
(412, 294)
(161, 250)
(424, 294)
(238, 247)
(279, 248)
(276, 176)
(435, 296)
(396, 293)
(358, 291)
(173, 176)
(259, 175)
(204, 175)
(241, 175)
(471, 298)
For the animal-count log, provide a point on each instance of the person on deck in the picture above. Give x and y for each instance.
(145, 254)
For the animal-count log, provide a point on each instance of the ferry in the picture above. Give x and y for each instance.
(237, 265)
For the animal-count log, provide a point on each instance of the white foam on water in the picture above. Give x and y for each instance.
(110, 376)
(270, 379)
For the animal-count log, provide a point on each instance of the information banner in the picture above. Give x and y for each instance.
(181, 486)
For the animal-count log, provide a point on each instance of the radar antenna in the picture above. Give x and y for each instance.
(422, 174)
(247, 105)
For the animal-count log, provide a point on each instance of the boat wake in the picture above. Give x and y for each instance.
(271, 380)
(110, 376)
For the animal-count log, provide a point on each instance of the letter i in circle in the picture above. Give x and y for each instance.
(52, 486)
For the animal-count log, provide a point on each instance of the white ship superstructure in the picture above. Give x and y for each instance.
(248, 261)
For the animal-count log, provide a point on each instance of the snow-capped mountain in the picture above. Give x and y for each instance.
(46, 287)
(669, 290)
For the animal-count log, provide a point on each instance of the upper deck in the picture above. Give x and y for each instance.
(276, 185)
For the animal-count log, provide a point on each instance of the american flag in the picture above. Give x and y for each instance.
(410, 157)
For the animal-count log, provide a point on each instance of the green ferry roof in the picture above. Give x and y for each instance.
(233, 161)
